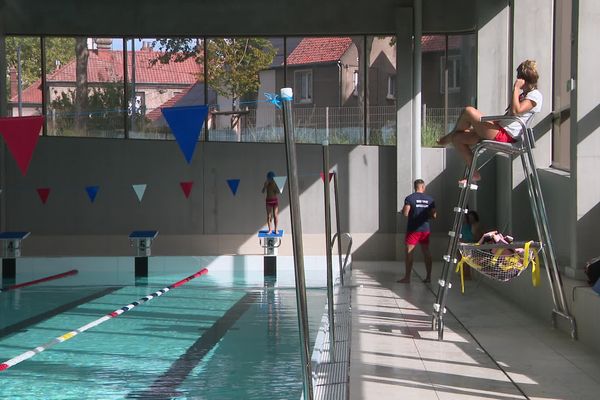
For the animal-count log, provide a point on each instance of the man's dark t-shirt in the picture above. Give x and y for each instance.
(421, 205)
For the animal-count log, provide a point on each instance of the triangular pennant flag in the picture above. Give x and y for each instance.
(43, 193)
(187, 188)
(186, 124)
(139, 191)
(92, 191)
(280, 182)
(233, 185)
(21, 135)
(323, 176)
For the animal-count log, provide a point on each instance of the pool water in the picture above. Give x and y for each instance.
(219, 336)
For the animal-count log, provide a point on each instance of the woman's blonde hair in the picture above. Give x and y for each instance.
(527, 71)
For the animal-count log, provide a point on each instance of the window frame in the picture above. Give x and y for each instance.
(391, 87)
(299, 93)
(453, 80)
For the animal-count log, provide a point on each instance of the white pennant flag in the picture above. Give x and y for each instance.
(280, 182)
(139, 191)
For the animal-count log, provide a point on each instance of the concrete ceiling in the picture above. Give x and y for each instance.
(151, 18)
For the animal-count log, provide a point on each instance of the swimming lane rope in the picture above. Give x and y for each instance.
(46, 279)
(28, 354)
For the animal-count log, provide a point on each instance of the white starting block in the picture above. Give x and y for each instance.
(270, 241)
(11, 243)
(11, 249)
(142, 241)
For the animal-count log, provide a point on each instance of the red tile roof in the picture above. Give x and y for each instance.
(107, 66)
(31, 94)
(156, 113)
(438, 42)
(318, 50)
(330, 49)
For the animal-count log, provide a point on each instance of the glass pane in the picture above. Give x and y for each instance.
(163, 72)
(449, 83)
(23, 89)
(265, 123)
(237, 67)
(561, 133)
(381, 114)
(84, 82)
(327, 78)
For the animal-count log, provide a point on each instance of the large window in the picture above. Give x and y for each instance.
(161, 72)
(561, 132)
(344, 86)
(23, 90)
(327, 76)
(238, 70)
(449, 74)
(381, 90)
(84, 87)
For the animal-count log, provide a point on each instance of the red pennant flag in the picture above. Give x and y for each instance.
(43, 193)
(21, 135)
(323, 177)
(187, 188)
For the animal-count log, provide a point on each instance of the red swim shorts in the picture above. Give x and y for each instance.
(503, 136)
(272, 202)
(415, 238)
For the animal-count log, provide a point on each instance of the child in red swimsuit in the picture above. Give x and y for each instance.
(272, 201)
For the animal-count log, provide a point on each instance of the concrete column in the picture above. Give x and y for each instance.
(404, 112)
(585, 114)
(492, 92)
(3, 113)
(416, 105)
(533, 39)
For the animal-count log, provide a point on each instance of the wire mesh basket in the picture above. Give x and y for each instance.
(501, 262)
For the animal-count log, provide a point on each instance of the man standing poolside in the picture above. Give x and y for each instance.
(419, 207)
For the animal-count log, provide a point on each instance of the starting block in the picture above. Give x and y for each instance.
(11, 249)
(270, 241)
(142, 241)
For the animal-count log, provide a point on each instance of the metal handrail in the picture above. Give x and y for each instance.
(298, 249)
(348, 250)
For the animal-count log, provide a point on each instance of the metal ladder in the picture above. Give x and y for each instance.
(522, 148)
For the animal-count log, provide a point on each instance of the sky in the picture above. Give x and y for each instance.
(117, 43)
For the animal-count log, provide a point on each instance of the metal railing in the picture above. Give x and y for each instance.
(348, 251)
(341, 125)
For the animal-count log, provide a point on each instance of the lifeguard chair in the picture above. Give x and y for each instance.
(525, 142)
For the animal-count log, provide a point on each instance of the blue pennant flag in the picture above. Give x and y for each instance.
(233, 185)
(92, 191)
(273, 98)
(186, 124)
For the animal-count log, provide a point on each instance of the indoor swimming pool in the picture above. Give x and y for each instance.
(228, 334)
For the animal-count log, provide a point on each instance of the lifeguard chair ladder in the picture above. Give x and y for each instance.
(523, 146)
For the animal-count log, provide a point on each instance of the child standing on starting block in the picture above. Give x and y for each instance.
(272, 201)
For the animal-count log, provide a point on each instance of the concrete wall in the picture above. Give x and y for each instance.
(212, 220)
